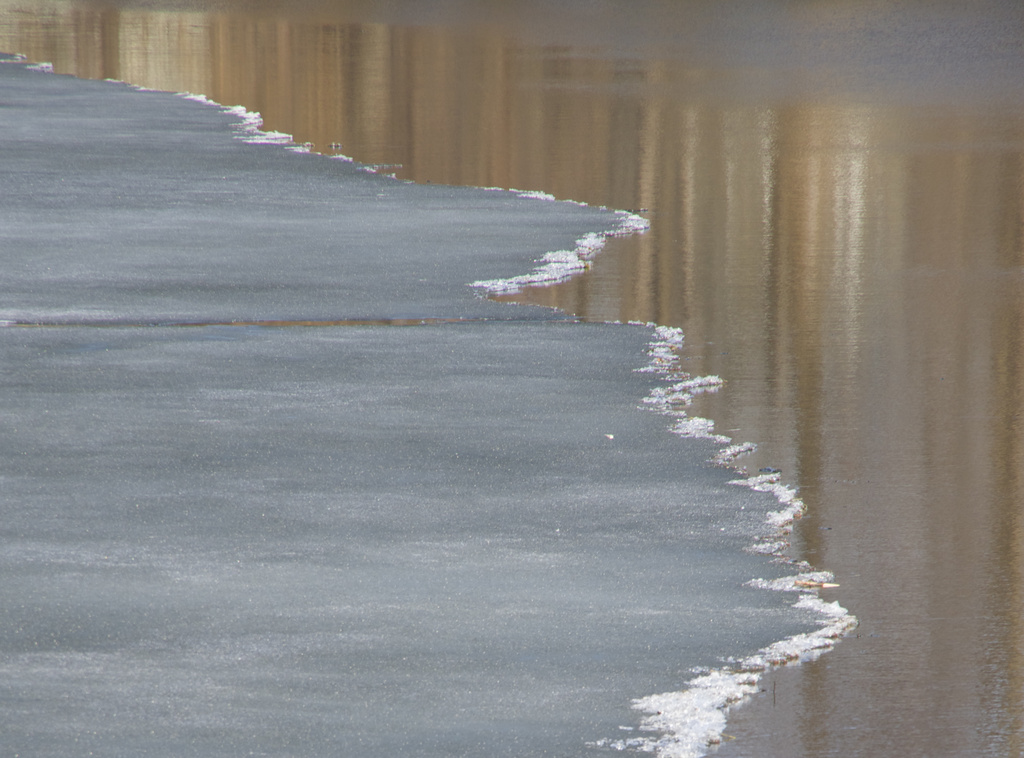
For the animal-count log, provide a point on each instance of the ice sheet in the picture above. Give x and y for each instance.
(472, 527)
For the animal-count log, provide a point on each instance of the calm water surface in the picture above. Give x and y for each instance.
(836, 193)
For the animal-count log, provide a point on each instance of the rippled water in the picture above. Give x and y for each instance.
(836, 196)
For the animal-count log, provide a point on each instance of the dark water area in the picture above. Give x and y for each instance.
(836, 197)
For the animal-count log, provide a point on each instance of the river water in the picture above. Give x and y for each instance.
(836, 198)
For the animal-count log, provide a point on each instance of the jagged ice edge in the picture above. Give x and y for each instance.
(672, 400)
(19, 58)
(688, 722)
(560, 265)
(249, 128)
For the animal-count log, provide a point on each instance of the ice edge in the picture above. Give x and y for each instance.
(686, 723)
(249, 128)
(560, 265)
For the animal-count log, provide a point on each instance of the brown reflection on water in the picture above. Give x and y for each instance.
(441, 105)
(854, 268)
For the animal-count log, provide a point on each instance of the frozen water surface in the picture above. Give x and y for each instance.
(414, 540)
(143, 206)
(457, 539)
